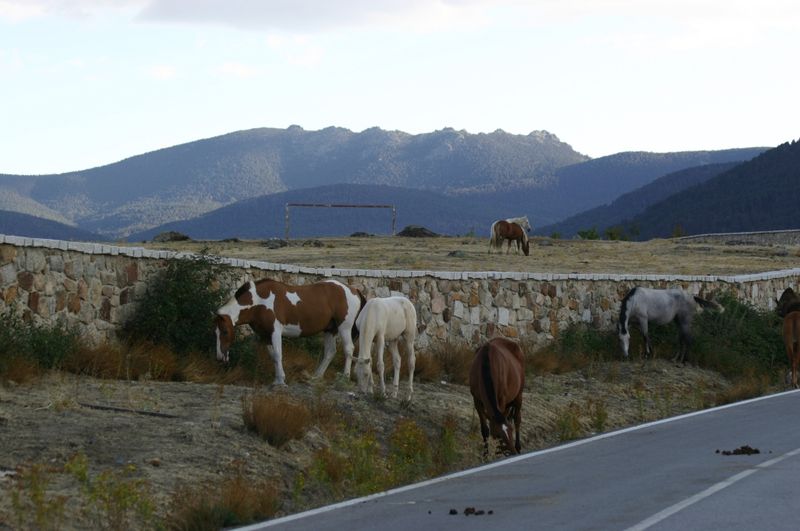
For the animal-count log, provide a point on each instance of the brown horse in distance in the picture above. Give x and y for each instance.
(509, 232)
(496, 381)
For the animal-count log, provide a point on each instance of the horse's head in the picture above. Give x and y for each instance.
(788, 302)
(526, 246)
(505, 434)
(229, 316)
(525, 224)
(224, 330)
(624, 338)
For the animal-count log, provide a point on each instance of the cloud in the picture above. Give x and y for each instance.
(239, 70)
(162, 72)
(18, 10)
(305, 16)
(296, 50)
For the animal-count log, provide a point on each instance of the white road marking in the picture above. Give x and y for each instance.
(507, 461)
(710, 491)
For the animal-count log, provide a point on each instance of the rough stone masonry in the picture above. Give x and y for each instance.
(95, 287)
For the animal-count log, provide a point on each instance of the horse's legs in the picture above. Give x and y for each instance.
(380, 344)
(329, 350)
(517, 421)
(277, 357)
(396, 366)
(648, 347)
(484, 427)
(346, 334)
(412, 361)
(684, 340)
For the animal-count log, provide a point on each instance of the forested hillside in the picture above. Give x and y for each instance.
(629, 205)
(600, 181)
(761, 194)
(16, 224)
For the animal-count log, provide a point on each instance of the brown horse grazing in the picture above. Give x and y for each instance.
(791, 339)
(789, 308)
(496, 380)
(788, 302)
(274, 309)
(510, 230)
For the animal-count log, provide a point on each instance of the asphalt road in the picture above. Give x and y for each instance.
(664, 475)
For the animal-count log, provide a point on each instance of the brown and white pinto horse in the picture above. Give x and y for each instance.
(510, 230)
(274, 309)
(496, 381)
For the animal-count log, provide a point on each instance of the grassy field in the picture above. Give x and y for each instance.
(471, 254)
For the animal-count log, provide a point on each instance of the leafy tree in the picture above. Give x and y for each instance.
(589, 234)
(179, 304)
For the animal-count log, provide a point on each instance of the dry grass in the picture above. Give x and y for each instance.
(236, 500)
(547, 255)
(454, 358)
(20, 370)
(427, 368)
(275, 417)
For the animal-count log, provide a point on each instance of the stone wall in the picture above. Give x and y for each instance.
(95, 288)
(769, 237)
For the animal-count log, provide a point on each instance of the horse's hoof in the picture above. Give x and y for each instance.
(279, 385)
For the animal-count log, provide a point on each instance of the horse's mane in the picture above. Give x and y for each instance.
(519, 220)
(623, 312)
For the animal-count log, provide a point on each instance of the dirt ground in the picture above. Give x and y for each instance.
(546, 255)
(200, 435)
(197, 434)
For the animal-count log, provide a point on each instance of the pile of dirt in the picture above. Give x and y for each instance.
(416, 231)
(170, 236)
(177, 434)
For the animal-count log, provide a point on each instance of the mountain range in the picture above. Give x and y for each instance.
(453, 182)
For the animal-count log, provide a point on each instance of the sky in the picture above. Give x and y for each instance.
(84, 83)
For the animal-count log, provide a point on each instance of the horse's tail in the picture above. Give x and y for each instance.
(354, 332)
(493, 239)
(711, 305)
(623, 312)
(488, 385)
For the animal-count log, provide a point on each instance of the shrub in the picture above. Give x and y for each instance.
(178, 306)
(447, 448)
(27, 347)
(741, 341)
(455, 359)
(577, 346)
(409, 452)
(236, 500)
(275, 417)
(568, 425)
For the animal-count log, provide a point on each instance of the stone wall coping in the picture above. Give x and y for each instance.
(140, 252)
(733, 234)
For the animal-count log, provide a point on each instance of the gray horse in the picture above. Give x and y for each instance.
(661, 306)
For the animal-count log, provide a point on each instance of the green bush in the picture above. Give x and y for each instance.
(738, 341)
(178, 308)
(44, 346)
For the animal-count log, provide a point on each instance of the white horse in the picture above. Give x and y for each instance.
(496, 240)
(660, 306)
(384, 320)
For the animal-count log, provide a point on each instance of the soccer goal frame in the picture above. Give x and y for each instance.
(335, 205)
